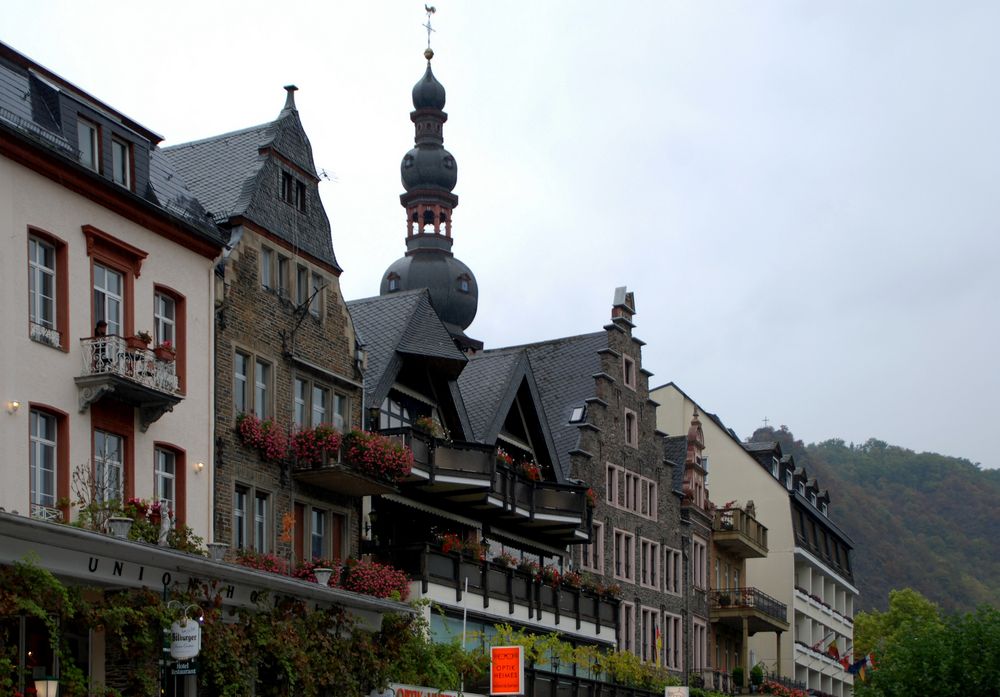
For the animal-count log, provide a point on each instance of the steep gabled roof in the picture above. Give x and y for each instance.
(236, 175)
(390, 326)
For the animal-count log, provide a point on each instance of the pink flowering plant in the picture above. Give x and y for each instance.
(572, 579)
(775, 688)
(550, 575)
(265, 436)
(531, 471)
(261, 562)
(505, 560)
(378, 456)
(375, 579)
(504, 458)
(311, 445)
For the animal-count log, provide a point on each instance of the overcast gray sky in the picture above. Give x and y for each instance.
(803, 195)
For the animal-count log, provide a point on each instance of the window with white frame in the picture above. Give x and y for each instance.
(42, 457)
(626, 627)
(109, 289)
(774, 467)
(647, 503)
(699, 645)
(631, 429)
(341, 411)
(261, 522)
(165, 476)
(699, 562)
(88, 144)
(649, 563)
(320, 405)
(164, 319)
(624, 555)
(262, 389)
(673, 641)
(241, 518)
(649, 624)
(673, 570)
(42, 283)
(241, 394)
(592, 554)
(109, 466)
(788, 479)
(318, 534)
(121, 163)
(628, 372)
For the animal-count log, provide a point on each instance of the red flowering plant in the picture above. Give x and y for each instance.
(476, 549)
(550, 575)
(375, 579)
(310, 445)
(262, 562)
(266, 436)
(612, 590)
(531, 471)
(378, 456)
(306, 570)
(775, 688)
(450, 542)
(572, 579)
(504, 458)
(591, 497)
(505, 560)
(530, 567)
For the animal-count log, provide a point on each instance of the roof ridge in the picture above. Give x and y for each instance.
(547, 342)
(221, 136)
(394, 294)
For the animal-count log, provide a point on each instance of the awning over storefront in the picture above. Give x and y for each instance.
(90, 558)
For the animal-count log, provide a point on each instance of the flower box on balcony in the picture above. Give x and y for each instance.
(164, 354)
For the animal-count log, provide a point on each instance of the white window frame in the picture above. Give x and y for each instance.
(673, 641)
(165, 476)
(241, 517)
(43, 451)
(626, 627)
(164, 318)
(263, 374)
(261, 542)
(612, 484)
(699, 563)
(89, 130)
(699, 645)
(649, 621)
(241, 382)
(649, 563)
(109, 473)
(624, 553)
(106, 299)
(673, 570)
(322, 537)
(38, 273)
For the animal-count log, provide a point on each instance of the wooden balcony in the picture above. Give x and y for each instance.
(761, 612)
(504, 589)
(737, 532)
(467, 478)
(134, 375)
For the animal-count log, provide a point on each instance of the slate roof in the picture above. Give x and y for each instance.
(31, 98)
(234, 175)
(388, 325)
(222, 168)
(675, 452)
(484, 383)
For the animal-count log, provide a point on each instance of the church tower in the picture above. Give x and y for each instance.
(429, 174)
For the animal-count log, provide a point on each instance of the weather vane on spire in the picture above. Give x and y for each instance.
(430, 9)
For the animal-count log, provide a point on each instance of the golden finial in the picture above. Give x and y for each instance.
(429, 9)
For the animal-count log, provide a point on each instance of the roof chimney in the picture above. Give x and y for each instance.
(290, 98)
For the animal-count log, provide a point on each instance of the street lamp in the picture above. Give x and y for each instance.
(49, 687)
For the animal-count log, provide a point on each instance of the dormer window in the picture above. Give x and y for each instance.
(788, 479)
(774, 467)
(121, 162)
(88, 143)
(802, 488)
(578, 415)
(393, 282)
(463, 283)
(823, 509)
(812, 497)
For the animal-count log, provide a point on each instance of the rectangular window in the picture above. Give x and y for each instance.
(649, 624)
(241, 518)
(109, 288)
(261, 523)
(624, 555)
(673, 570)
(611, 485)
(165, 475)
(320, 399)
(266, 262)
(42, 283)
(649, 560)
(699, 563)
(626, 627)
(283, 278)
(287, 187)
(628, 372)
(262, 389)
(42, 458)
(241, 364)
(318, 533)
(109, 466)
(301, 286)
(631, 429)
(341, 411)
(315, 293)
(300, 402)
(699, 644)
(300, 196)
(88, 143)
(164, 319)
(673, 641)
(593, 553)
(121, 163)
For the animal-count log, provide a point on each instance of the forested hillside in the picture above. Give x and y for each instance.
(918, 520)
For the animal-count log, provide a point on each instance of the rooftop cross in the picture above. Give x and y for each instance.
(765, 422)
(430, 9)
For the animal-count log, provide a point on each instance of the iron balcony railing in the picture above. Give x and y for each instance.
(748, 598)
(112, 356)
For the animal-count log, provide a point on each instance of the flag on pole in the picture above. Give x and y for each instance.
(832, 651)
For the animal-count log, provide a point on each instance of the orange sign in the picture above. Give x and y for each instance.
(507, 670)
